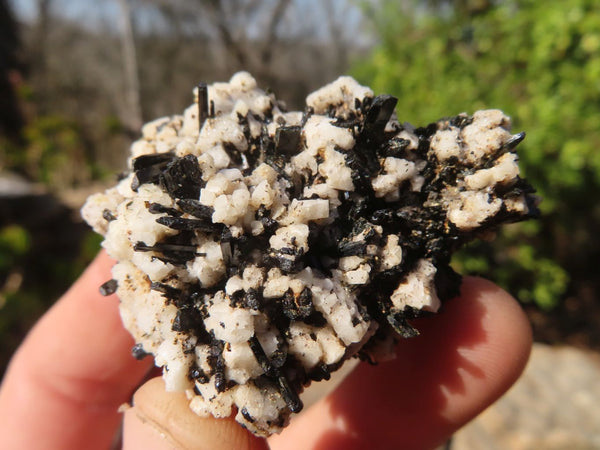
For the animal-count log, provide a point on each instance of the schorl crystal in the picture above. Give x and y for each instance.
(259, 249)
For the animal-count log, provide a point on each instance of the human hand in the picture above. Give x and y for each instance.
(66, 382)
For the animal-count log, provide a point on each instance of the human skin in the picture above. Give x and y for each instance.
(64, 385)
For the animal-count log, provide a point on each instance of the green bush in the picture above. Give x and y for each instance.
(15, 242)
(55, 152)
(34, 272)
(539, 61)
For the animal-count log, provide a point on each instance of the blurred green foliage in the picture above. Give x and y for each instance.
(42, 247)
(36, 267)
(54, 152)
(538, 61)
(15, 241)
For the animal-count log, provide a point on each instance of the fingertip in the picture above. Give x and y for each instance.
(163, 420)
(509, 336)
(475, 349)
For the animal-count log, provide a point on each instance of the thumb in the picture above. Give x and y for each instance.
(161, 420)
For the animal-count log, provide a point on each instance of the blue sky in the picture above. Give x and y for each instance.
(25, 9)
(89, 11)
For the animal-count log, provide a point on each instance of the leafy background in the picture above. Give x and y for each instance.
(78, 110)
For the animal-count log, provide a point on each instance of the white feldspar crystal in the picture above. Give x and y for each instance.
(418, 290)
(258, 249)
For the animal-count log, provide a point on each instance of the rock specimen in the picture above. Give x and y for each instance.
(258, 249)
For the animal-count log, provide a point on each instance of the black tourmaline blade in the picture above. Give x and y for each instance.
(148, 168)
(182, 178)
(202, 104)
(108, 288)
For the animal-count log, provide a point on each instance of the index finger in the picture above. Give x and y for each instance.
(64, 385)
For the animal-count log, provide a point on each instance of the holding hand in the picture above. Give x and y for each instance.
(65, 384)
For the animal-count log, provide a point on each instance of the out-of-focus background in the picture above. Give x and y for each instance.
(79, 77)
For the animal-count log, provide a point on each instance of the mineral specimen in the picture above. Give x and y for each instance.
(258, 249)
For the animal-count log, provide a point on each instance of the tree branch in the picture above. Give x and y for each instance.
(132, 83)
(231, 44)
(270, 40)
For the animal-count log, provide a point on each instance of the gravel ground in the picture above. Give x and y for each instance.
(554, 406)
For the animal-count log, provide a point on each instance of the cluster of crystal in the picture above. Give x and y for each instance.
(258, 249)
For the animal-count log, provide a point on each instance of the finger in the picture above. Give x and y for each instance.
(75, 368)
(464, 359)
(163, 420)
